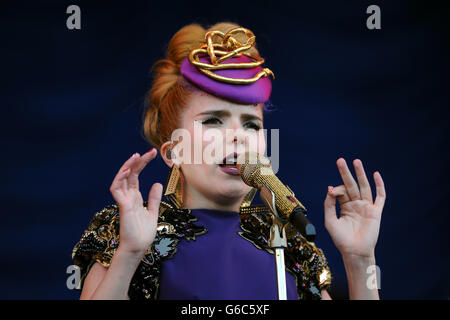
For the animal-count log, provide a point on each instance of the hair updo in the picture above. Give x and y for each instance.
(168, 96)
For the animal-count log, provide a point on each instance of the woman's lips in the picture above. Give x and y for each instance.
(229, 169)
(229, 164)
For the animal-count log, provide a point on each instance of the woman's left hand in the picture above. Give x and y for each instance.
(355, 232)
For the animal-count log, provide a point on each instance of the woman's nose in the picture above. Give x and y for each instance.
(236, 133)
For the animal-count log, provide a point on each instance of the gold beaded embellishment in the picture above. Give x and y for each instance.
(228, 48)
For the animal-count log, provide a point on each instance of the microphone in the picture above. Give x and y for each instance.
(256, 171)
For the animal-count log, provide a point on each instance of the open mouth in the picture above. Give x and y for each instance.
(230, 159)
(228, 164)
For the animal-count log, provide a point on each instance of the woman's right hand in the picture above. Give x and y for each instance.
(137, 223)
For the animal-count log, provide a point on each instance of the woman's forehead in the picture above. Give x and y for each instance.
(201, 102)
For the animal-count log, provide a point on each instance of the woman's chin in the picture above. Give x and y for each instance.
(234, 189)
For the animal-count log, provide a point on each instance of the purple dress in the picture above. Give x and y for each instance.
(221, 265)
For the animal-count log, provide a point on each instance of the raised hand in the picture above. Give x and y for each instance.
(355, 232)
(137, 223)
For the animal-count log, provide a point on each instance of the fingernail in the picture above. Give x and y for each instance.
(150, 150)
(330, 189)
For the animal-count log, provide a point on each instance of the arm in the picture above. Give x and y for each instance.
(356, 269)
(110, 283)
(325, 295)
(355, 232)
(357, 277)
(138, 226)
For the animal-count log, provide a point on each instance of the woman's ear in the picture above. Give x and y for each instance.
(165, 153)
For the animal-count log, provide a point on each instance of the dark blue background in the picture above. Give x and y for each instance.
(71, 115)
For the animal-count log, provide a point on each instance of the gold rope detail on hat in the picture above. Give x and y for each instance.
(230, 47)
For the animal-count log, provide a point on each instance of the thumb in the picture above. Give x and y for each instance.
(154, 198)
(330, 208)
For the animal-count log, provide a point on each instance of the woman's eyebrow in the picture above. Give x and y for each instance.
(226, 113)
(247, 117)
(217, 113)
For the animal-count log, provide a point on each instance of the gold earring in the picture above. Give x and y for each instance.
(173, 189)
(248, 198)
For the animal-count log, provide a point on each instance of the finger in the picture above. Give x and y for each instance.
(118, 188)
(119, 178)
(129, 162)
(133, 178)
(364, 185)
(381, 192)
(340, 192)
(330, 209)
(349, 182)
(154, 198)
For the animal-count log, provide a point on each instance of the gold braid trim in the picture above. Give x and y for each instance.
(230, 47)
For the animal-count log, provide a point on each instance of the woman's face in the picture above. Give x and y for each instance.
(222, 130)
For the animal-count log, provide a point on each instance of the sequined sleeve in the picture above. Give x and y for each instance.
(101, 240)
(309, 264)
(303, 259)
(98, 242)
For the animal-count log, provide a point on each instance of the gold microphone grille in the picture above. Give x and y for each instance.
(252, 166)
(258, 173)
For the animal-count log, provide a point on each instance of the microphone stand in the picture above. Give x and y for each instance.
(278, 242)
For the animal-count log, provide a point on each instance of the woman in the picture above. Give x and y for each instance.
(162, 253)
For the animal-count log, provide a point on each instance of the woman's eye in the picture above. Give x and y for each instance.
(212, 121)
(252, 125)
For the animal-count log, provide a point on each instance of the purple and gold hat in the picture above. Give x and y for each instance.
(227, 71)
